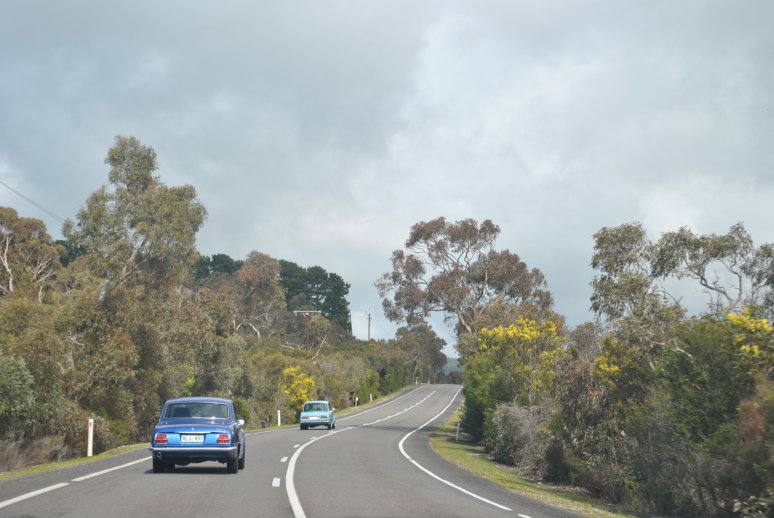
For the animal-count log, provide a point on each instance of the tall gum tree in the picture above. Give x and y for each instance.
(455, 269)
(628, 294)
(260, 296)
(28, 257)
(137, 225)
(730, 269)
(629, 290)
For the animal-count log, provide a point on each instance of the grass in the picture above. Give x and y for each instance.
(473, 458)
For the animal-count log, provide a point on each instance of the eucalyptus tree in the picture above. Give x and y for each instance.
(455, 269)
(138, 235)
(136, 226)
(259, 294)
(29, 258)
(629, 289)
(730, 269)
(423, 348)
(628, 293)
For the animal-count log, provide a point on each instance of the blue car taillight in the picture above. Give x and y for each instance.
(161, 438)
(223, 438)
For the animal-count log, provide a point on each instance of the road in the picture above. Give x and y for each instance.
(377, 463)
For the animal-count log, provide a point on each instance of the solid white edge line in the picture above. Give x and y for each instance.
(32, 494)
(415, 463)
(98, 473)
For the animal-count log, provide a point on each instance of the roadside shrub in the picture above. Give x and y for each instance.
(75, 432)
(756, 506)
(517, 438)
(243, 409)
(559, 467)
(19, 453)
(11, 455)
(16, 394)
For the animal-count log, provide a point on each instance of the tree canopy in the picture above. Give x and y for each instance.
(137, 226)
(454, 269)
(316, 289)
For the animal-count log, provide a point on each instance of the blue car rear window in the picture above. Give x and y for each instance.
(201, 410)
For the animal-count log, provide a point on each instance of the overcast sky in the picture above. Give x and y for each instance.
(320, 132)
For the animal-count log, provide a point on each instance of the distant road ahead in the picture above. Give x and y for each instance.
(377, 463)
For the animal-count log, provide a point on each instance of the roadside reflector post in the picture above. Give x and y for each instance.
(90, 439)
(356, 400)
(372, 397)
(279, 418)
(457, 435)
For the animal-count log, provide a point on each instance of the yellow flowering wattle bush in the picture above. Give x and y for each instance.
(754, 336)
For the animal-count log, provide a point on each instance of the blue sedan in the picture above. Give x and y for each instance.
(198, 429)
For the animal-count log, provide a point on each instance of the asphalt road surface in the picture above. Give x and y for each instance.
(377, 463)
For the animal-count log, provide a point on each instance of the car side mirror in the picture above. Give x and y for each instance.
(241, 422)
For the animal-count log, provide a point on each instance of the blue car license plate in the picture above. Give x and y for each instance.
(191, 438)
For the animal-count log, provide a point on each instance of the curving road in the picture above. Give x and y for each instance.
(377, 463)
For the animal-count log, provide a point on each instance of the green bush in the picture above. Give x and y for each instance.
(16, 394)
(243, 409)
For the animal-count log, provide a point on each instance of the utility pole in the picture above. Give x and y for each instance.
(369, 324)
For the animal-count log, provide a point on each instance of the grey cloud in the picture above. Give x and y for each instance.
(320, 133)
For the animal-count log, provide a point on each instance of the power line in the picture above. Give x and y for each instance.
(38, 205)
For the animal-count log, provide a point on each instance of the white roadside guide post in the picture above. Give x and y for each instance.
(90, 439)
(279, 418)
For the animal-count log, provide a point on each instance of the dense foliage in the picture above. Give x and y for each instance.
(316, 289)
(659, 410)
(124, 313)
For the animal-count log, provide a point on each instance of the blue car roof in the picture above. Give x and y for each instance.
(200, 399)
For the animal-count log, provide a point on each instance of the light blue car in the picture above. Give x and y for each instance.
(318, 413)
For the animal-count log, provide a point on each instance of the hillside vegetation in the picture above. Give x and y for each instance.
(125, 313)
